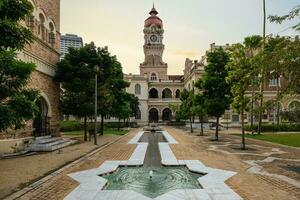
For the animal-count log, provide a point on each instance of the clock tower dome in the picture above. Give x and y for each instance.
(153, 65)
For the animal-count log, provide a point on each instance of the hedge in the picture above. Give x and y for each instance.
(275, 128)
(68, 126)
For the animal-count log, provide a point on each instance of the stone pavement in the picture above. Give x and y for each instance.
(59, 185)
(222, 155)
(269, 180)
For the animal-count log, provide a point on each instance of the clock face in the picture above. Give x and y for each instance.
(153, 38)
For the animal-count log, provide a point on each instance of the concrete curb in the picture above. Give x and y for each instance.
(36, 184)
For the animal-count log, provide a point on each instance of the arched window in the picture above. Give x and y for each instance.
(138, 114)
(167, 115)
(167, 93)
(177, 94)
(137, 89)
(153, 115)
(153, 93)
(41, 28)
(52, 33)
(153, 77)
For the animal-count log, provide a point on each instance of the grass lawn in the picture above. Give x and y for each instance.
(106, 132)
(289, 139)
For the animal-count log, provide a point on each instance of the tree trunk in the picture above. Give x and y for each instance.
(119, 124)
(201, 121)
(217, 129)
(252, 108)
(191, 125)
(85, 128)
(243, 132)
(102, 125)
(262, 73)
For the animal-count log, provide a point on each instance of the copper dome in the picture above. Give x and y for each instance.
(153, 19)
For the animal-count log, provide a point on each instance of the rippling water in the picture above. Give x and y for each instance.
(164, 179)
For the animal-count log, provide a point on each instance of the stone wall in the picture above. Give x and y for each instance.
(49, 90)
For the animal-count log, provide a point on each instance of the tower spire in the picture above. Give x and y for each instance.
(153, 11)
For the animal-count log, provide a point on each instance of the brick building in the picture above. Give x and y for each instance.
(44, 53)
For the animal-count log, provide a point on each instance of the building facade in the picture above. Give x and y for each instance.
(44, 52)
(67, 41)
(157, 91)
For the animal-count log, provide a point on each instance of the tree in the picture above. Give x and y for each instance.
(77, 76)
(125, 106)
(240, 77)
(294, 13)
(253, 45)
(199, 110)
(17, 102)
(216, 90)
(185, 109)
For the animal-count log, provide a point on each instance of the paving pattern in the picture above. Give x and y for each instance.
(253, 180)
(248, 185)
(213, 182)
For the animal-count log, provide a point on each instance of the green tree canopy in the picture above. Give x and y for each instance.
(216, 90)
(17, 103)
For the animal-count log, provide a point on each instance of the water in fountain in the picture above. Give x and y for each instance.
(152, 179)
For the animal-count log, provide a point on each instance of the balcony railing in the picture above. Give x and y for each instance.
(164, 99)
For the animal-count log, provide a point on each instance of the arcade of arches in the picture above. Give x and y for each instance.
(156, 116)
(165, 94)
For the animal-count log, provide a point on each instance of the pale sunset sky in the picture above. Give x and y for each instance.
(190, 25)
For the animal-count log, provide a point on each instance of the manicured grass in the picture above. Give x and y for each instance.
(106, 132)
(289, 139)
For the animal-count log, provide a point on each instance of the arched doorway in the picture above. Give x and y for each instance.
(41, 123)
(167, 94)
(153, 93)
(167, 115)
(153, 115)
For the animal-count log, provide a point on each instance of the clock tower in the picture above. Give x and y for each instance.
(153, 66)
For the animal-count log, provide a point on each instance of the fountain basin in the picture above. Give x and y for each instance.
(164, 179)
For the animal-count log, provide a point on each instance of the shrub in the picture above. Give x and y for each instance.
(274, 127)
(68, 126)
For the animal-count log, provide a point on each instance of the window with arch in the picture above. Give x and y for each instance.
(137, 89)
(153, 93)
(166, 93)
(153, 77)
(41, 27)
(52, 33)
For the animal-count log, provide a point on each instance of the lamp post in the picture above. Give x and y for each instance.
(96, 68)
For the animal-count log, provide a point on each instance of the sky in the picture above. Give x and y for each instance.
(190, 25)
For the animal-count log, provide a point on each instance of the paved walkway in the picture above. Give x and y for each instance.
(16, 173)
(255, 179)
(249, 183)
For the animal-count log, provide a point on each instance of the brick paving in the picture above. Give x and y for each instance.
(249, 186)
(60, 186)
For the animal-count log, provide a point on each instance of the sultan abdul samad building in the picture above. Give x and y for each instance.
(157, 90)
(153, 86)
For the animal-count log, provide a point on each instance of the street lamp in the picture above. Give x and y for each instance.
(96, 69)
